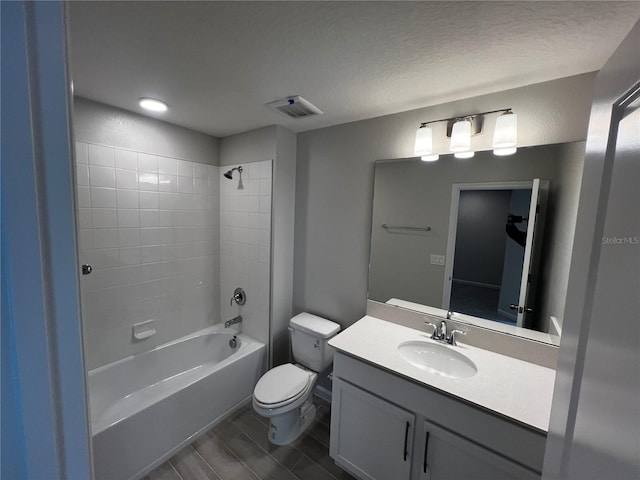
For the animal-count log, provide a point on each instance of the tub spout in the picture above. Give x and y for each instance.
(233, 321)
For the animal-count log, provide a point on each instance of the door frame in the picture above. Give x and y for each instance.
(618, 76)
(48, 436)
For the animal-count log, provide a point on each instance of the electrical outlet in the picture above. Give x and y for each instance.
(437, 259)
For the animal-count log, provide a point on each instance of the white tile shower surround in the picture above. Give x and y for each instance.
(169, 239)
(245, 245)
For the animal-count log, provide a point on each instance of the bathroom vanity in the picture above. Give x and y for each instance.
(399, 412)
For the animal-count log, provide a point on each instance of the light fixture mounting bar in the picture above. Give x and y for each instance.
(477, 122)
(502, 110)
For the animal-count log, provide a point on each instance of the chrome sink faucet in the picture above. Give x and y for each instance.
(440, 333)
(451, 339)
(443, 330)
(434, 334)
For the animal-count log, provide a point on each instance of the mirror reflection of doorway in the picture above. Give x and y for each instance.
(495, 235)
(489, 252)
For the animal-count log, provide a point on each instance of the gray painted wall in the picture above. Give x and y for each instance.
(562, 210)
(95, 122)
(283, 214)
(252, 146)
(334, 183)
(480, 236)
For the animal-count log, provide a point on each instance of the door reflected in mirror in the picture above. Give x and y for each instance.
(484, 238)
(495, 238)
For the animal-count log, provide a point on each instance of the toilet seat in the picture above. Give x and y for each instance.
(282, 385)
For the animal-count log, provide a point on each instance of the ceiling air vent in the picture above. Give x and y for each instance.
(295, 107)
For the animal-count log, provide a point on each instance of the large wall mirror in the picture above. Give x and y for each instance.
(485, 240)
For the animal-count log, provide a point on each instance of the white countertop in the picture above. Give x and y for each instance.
(516, 389)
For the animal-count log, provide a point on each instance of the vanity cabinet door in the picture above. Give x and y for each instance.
(370, 437)
(447, 456)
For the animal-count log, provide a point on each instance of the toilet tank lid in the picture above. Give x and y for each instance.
(318, 326)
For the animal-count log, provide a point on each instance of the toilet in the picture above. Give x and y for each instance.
(285, 393)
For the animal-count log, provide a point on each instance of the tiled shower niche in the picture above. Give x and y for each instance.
(150, 226)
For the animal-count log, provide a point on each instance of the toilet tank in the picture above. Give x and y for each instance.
(310, 335)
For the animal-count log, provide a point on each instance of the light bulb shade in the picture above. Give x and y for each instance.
(461, 136)
(501, 152)
(464, 154)
(424, 142)
(506, 133)
(429, 158)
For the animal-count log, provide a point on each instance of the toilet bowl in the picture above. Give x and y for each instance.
(285, 393)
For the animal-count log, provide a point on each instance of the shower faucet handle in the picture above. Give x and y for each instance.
(239, 296)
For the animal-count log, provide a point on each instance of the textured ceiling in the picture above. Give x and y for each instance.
(218, 63)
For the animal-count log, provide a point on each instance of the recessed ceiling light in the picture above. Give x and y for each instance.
(153, 104)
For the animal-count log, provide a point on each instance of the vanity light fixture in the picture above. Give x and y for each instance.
(424, 141)
(461, 129)
(152, 104)
(461, 136)
(501, 152)
(506, 133)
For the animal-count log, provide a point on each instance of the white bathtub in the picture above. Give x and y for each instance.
(146, 407)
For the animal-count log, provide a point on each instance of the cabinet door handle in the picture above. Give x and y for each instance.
(406, 441)
(426, 451)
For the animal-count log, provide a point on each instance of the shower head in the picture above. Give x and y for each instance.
(229, 174)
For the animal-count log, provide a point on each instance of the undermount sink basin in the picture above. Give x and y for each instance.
(438, 359)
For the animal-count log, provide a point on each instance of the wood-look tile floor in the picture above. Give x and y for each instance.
(238, 449)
